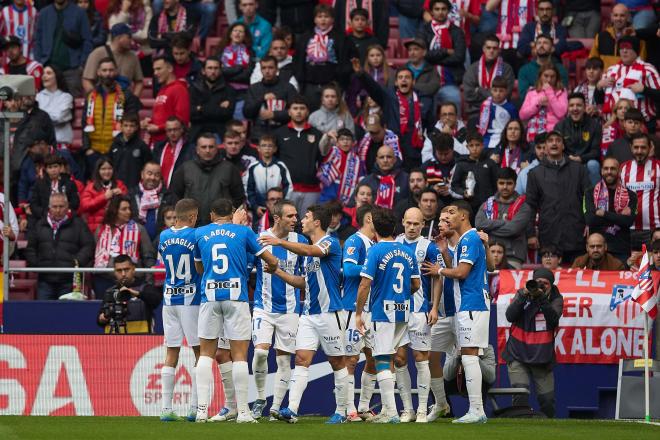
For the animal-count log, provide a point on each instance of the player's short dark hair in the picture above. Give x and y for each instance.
(499, 83)
(474, 135)
(361, 212)
(491, 37)
(359, 11)
(279, 207)
(185, 206)
(594, 63)
(322, 214)
(123, 258)
(507, 173)
(462, 205)
(222, 207)
(384, 221)
(576, 95)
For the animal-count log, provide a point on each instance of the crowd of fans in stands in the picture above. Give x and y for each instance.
(543, 123)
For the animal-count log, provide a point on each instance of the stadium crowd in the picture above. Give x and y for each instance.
(544, 124)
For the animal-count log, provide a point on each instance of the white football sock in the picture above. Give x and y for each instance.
(386, 384)
(423, 383)
(438, 388)
(404, 385)
(350, 394)
(167, 387)
(298, 385)
(260, 371)
(341, 377)
(367, 385)
(241, 376)
(228, 384)
(473, 382)
(193, 393)
(282, 378)
(204, 380)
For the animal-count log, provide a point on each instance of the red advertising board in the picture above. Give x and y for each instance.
(595, 326)
(91, 375)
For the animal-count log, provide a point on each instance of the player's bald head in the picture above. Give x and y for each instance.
(413, 214)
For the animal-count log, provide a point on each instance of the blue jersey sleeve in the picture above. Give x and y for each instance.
(326, 246)
(353, 250)
(469, 251)
(253, 245)
(414, 268)
(196, 253)
(370, 266)
(433, 253)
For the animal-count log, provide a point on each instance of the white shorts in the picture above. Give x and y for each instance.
(355, 341)
(284, 325)
(419, 331)
(180, 321)
(472, 329)
(225, 319)
(324, 329)
(387, 337)
(443, 335)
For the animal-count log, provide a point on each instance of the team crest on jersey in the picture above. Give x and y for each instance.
(585, 136)
(350, 250)
(420, 254)
(311, 138)
(463, 249)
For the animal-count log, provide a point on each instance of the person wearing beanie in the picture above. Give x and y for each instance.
(530, 350)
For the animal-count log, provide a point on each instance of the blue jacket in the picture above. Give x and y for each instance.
(527, 37)
(75, 21)
(262, 34)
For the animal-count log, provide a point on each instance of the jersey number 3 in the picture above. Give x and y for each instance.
(398, 286)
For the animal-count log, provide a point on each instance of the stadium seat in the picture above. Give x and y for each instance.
(588, 43)
(23, 290)
(148, 83)
(18, 263)
(393, 49)
(148, 103)
(211, 46)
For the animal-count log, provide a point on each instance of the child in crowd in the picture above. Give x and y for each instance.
(545, 104)
(593, 70)
(496, 111)
(342, 168)
(360, 35)
(613, 128)
(129, 152)
(55, 180)
(375, 65)
(475, 177)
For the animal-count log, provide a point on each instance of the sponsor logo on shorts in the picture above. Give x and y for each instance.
(213, 285)
(331, 338)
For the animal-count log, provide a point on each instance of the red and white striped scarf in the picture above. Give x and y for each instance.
(32, 68)
(20, 24)
(353, 4)
(391, 140)
(624, 76)
(179, 25)
(538, 29)
(484, 115)
(602, 201)
(236, 55)
(116, 240)
(492, 208)
(644, 180)
(485, 76)
(117, 112)
(511, 158)
(150, 199)
(55, 224)
(404, 118)
(330, 171)
(610, 134)
(514, 14)
(317, 47)
(441, 40)
(537, 124)
(386, 191)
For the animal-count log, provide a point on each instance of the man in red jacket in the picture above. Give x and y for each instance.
(172, 99)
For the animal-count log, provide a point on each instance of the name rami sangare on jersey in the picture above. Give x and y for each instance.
(391, 254)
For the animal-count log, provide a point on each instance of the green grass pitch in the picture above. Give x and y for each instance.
(134, 428)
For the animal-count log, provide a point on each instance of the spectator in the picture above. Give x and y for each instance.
(410, 17)
(360, 35)
(555, 190)
(119, 234)
(610, 209)
(376, 66)
(440, 169)
(55, 180)
(614, 127)
(147, 199)
(102, 187)
(273, 196)
(506, 217)
(237, 152)
(430, 208)
(534, 312)
(513, 16)
(244, 147)
(538, 156)
(446, 50)
(186, 65)
(479, 76)
(172, 100)
(642, 13)
(266, 101)
(265, 174)
(320, 56)
(206, 178)
(376, 135)
(642, 175)
(212, 101)
(278, 50)
(593, 70)
(55, 100)
(237, 63)
(512, 150)
(655, 250)
(58, 239)
(97, 27)
(498, 258)
(387, 180)
(550, 257)
(633, 121)
(597, 257)
(529, 73)
(546, 104)
(416, 184)
(104, 107)
(333, 114)
(482, 169)
(298, 147)
(340, 224)
(128, 152)
(634, 79)
(342, 168)
(62, 38)
(582, 18)
(137, 14)
(19, 64)
(171, 20)
(606, 43)
(371, 16)
(142, 298)
(363, 196)
(427, 81)
(18, 19)
(496, 111)
(9, 228)
(166, 219)
(448, 123)
(543, 25)
(260, 29)
(174, 151)
(34, 121)
(582, 136)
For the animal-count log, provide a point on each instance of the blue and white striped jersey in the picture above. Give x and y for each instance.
(355, 251)
(473, 289)
(450, 291)
(271, 293)
(225, 251)
(422, 249)
(177, 248)
(323, 278)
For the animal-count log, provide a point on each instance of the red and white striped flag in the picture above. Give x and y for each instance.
(644, 293)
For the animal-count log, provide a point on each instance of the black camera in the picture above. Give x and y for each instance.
(115, 308)
(534, 289)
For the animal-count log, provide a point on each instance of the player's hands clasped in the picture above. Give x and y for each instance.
(430, 269)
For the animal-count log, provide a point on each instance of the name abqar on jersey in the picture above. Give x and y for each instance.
(225, 251)
(423, 249)
(390, 267)
(323, 278)
(473, 289)
(271, 293)
(355, 251)
(177, 248)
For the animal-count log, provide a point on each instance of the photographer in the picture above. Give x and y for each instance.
(128, 306)
(534, 316)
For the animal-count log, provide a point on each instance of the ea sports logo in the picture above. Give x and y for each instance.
(146, 382)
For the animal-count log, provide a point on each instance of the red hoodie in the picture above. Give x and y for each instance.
(172, 100)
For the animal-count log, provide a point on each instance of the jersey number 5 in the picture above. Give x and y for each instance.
(220, 260)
